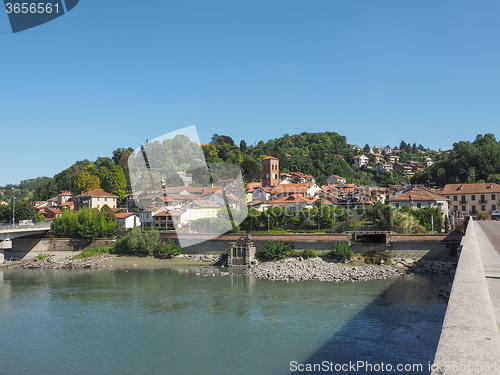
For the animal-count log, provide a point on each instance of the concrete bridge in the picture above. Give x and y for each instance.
(9, 232)
(470, 340)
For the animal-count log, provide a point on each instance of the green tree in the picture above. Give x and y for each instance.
(86, 181)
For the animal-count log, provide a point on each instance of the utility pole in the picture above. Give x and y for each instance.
(14, 206)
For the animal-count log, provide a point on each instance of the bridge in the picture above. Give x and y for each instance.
(9, 232)
(470, 340)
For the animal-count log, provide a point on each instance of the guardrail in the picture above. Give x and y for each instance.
(7, 227)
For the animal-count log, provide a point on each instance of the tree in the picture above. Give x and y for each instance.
(243, 146)
(367, 149)
(251, 170)
(85, 181)
(113, 181)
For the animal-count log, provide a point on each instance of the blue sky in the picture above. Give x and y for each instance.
(114, 73)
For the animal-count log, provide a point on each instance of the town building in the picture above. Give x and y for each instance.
(470, 199)
(127, 220)
(270, 171)
(361, 160)
(96, 198)
(418, 198)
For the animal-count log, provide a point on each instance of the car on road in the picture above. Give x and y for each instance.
(495, 215)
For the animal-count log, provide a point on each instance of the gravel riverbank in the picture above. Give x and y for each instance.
(298, 269)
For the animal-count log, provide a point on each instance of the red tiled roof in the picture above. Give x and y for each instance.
(96, 193)
(123, 215)
(418, 194)
(482, 188)
(295, 199)
(292, 188)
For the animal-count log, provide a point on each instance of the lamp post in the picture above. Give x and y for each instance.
(14, 206)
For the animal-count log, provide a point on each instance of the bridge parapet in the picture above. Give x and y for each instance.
(470, 341)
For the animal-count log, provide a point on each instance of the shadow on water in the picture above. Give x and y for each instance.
(401, 326)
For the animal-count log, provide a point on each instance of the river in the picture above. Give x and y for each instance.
(182, 320)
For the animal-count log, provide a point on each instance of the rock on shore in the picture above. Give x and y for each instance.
(59, 262)
(297, 269)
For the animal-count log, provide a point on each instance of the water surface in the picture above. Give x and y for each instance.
(173, 321)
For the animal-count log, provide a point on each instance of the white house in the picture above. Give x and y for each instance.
(127, 220)
(384, 167)
(361, 160)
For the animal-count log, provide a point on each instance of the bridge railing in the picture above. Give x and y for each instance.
(469, 342)
(9, 227)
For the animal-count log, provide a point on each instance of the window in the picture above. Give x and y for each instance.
(428, 204)
(463, 198)
(419, 205)
(455, 198)
(463, 208)
(455, 208)
(483, 199)
(472, 197)
(493, 197)
(483, 208)
(473, 209)
(493, 207)
(397, 205)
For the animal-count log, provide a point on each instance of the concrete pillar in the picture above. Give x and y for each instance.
(5, 244)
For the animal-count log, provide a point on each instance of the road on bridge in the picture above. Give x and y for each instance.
(492, 231)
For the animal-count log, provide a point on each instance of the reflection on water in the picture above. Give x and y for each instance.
(180, 321)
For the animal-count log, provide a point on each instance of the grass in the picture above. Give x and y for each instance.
(93, 251)
(41, 256)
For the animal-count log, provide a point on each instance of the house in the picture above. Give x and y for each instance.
(296, 178)
(52, 213)
(261, 194)
(361, 160)
(378, 158)
(469, 199)
(62, 198)
(280, 191)
(418, 198)
(335, 179)
(294, 202)
(384, 167)
(96, 198)
(393, 158)
(355, 148)
(187, 178)
(127, 220)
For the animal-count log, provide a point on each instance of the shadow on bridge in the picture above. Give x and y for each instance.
(401, 326)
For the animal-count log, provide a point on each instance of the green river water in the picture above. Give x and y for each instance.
(182, 320)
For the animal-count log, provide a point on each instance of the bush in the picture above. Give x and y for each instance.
(139, 243)
(93, 251)
(169, 250)
(275, 250)
(483, 216)
(376, 257)
(306, 254)
(341, 251)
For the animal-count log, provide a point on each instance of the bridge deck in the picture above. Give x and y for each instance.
(488, 236)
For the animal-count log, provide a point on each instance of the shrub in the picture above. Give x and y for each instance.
(275, 250)
(306, 254)
(341, 251)
(93, 251)
(41, 256)
(168, 250)
(483, 216)
(138, 242)
(376, 257)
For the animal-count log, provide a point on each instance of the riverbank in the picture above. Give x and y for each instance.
(299, 269)
(110, 261)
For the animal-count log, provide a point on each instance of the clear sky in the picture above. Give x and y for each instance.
(112, 74)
